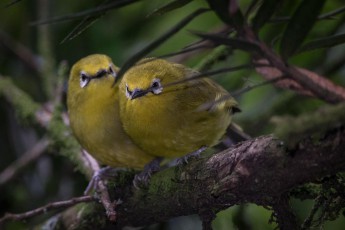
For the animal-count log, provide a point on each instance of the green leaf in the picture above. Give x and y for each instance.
(169, 7)
(299, 26)
(264, 13)
(323, 43)
(11, 3)
(329, 15)
(82, 26)
(142, 53)
(87, 13)
(235, 43)
(228, 11)
(185, 50)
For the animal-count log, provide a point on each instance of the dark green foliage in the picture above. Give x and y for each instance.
(227, 39)
(299, 25)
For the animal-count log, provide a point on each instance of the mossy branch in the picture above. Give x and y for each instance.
(261, 171)
(49, 116)
(45, 44)
(291, 129)
(23, 104)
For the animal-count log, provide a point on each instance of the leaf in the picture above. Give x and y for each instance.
(169, 7)
(142, 53)
(264, 13)
(82, 26)
(186, 50)
(210, 73)
(11, 3)
(299, 26)
(236, 43)
(323, 43)
(228, 11)
(91, 12)
(212, 104)
(329, 15)
(252, 8)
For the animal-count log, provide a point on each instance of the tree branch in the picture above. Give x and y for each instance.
(28, 157)
(46, 208)
(261, 171)
(312, 83)
(256, 171)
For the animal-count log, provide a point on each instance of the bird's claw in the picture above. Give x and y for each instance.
(144, 176)
(101, 174)
(184, 160)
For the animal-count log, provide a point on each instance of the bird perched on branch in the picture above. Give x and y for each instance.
(166, 118)
(93, 109)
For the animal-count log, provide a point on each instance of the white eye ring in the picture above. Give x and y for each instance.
(84, 79)
(128, 92)
(111, 70)
(156, 86)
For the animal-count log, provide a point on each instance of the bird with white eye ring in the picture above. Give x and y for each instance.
(167, 121)
(93, 109)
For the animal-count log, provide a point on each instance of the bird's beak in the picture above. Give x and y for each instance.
(138, 93)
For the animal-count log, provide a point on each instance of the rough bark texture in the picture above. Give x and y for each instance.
(260, 171)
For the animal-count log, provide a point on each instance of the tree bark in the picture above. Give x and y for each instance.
(261, 171)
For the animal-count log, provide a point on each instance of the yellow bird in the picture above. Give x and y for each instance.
(93, 107)
(169, 121)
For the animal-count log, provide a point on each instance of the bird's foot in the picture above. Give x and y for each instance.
(144, 176)
(185, 158)
(101, 174)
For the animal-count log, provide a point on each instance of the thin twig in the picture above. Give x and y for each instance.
(271, 72)
(320, 86)
(210, 105)
(89, 12)
(186, 50)
(28, 157)
(147, 49)
(225, 30)
(106, 202)
(23, 53)
(46, 208)
(100, 187)
(329, 15)
(210, 73)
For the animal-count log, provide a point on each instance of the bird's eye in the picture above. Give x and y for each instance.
(84, 80)
(156, 86)
(128, 92)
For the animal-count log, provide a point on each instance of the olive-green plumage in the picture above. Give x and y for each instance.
(169, 121)
(93, 109)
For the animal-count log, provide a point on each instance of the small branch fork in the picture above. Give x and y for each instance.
(99, 186)
(46, 208)
(304, 80)
(101, 189)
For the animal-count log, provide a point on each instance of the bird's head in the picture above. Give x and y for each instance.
(92, 74)
(148, 78)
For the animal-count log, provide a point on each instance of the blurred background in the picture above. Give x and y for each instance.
(34, 57)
